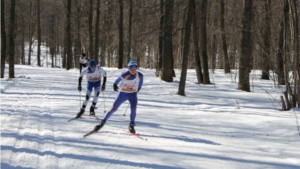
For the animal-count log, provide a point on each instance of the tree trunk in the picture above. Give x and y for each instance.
(3, 40)
(97, 34)
(91, 51)
(78, 38)
(186, 47)
(196, 46)
(11, 73)
(296, 53)
(161, 35)
(129, 30)
(23, 42)
(246, 48)
(167, 57)
(213, 52)
(103, 53)
(203, 42)
(267, 44)
(224, 44)
(279, 57)
(68, 34)
(121, 43)
(39, 34)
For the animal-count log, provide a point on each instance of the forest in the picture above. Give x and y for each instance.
(204, 35)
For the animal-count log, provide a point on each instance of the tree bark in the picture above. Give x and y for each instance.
(11, 73)
(161, 35)
(129, 31)
(39, 34)
(296, 53)
(279, 57)
(196, 46)
(91, 51)
(267, 44)
(203, 42)
(121, 43)
(224, 44)
(68, 34)
(97, 34)
(3, 40)
(167, 57)
(186, 47)
(246, 48)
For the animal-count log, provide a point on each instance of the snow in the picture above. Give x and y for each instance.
(213, 126)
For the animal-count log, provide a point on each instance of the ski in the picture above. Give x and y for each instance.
(72, 119)
(91, 117)
(136, 135)
(89, 133)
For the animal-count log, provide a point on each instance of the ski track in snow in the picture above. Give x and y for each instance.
(203, 130)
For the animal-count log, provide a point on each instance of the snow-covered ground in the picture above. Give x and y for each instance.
(214, 126)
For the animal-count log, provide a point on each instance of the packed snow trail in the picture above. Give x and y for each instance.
(205, 129)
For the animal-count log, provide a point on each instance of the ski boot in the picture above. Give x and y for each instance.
(92, 110)
(99, 126)
(80, 113)
(131, 127)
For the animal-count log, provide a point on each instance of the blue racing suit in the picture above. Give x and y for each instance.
(130, 85)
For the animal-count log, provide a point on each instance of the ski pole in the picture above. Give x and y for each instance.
(104, 102)
(126, 110)
(80, 99)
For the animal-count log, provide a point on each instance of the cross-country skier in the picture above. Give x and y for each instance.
(93, 75)
(131, 83)
(82, 62)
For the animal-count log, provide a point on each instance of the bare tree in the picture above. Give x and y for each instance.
(129, 31)
(296, 42)
(11, 73)
(224, 44)
(246, 48)
(203, 42)
(38, 6)
(279, 57)
(3, 40)
(167, 57)
(91, 51)
(186, 47)
(68, 34)
(121, 43)
(266, 39)
(97, 34)
(196, 46)
(31, 29)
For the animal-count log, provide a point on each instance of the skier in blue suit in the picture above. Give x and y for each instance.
(131, 83)
(93, 75)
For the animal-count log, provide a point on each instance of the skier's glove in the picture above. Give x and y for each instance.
(116, 87)
(139, 89)
(103, 88)
(79, 88)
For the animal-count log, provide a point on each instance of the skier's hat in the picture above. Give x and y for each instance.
(92, 63)
(132, 64)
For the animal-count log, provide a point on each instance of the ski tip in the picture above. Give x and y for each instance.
(71, 119)
(89, 133)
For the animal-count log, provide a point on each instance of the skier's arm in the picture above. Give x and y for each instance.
(118, 80)
(141, 81)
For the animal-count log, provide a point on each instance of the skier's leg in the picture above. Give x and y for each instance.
(118, 101)
(96, 92)
(89, 88)
(133, 104)
(96, 87)
(87, 97)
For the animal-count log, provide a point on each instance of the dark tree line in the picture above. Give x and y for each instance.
(160, 34)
